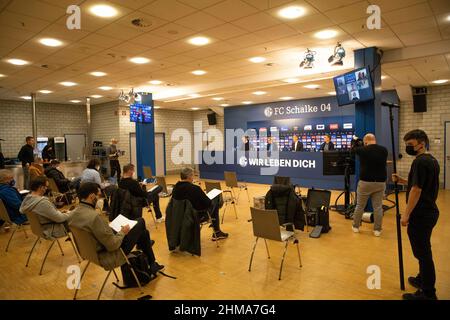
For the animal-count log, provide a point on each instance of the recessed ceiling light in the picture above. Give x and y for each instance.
(105, 88)
(155, 82)
(218, 98)
(440, 81)
(292, 12)
(199, 41)
(311, 86)
(139, 60)
(17, 62)
(194, 95)
(98, 74)
(50, 42)
(103, 10)
(259, 93)
(224, 105)
(326, 34)
(2, 75)
(96, 96)
(383, 77)
(332, 93)
(195, 108)
(257, 59)
(68, 84)
(45, 91)
(286, 98)
(448, 18)
(291, 80)
(26, 97)
(156, 107)
(247, 102)
(199, 72)
(75, 101)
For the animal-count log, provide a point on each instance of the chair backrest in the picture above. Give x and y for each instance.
(161, 181)
(148, 174)
(52, 185)
(35, 224)
(282, 180)
(210, 185)
(318, 198)
(230, 179)
(4, 213)
(86, 244)
(266, 224)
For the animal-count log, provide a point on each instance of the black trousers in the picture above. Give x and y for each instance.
(115, 167)
(153, 198)
(419, 233)
(213, 211)
(139, 236)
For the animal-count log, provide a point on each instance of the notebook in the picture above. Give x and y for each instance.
(213, 193)
(121, 221)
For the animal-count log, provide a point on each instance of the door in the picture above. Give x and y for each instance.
(133, 157)
(75, 146)
(160, 154)
(447, 156)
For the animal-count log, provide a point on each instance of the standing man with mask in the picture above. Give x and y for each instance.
(26, 156)
(372, 181)
(422, 213)
(114, 154)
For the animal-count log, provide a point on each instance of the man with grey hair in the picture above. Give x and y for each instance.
(186, 190)
(372, 181)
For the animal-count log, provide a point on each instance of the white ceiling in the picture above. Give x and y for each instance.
(239, 29)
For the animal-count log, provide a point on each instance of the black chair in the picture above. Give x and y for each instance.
(282, 180)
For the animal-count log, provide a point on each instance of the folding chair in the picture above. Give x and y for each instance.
(5, 217)
(231, 182)
(38, 231)
(227, 201)
(55, 193)
(87, 246)
(266, 226)
(166, 188)
(148, 173)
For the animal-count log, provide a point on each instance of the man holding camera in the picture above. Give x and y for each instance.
(372, 180)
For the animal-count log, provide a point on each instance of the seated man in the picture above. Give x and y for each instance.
(186, 190)
(11, 197)
(52, 172)
(36, 169)
(108, 242)
(136, 190)
(53, 221)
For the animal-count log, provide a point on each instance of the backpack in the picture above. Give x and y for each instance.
(139, 262)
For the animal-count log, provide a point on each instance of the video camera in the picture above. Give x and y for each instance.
(356, 142)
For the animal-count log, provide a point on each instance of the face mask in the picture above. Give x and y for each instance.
(12, 183)
(410, 150)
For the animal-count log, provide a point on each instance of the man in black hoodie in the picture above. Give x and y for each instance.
(26, 156)
(60, 180)
(186, 190)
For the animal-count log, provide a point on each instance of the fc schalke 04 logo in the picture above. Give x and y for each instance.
(243, 161)
(268, 112)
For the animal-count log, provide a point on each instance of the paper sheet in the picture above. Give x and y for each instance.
(120, 221)
(213, 193)
(156, 186)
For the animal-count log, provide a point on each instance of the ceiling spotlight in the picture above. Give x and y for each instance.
(45, 91)
(308, 60)
(68, 84)
(218, 98)
(257, 59)
(440, 81)
(383, 77)
(312, 86)
(325, 34)
(130, 97)
(199, 72)
(292, 12)
(199, 41)
(332, 93)
(26, 97)
(338, 55)
(156, 107)
(50, 42)
(286, 98)
(139, 60)
(2, 75)
(17, 62)
(291, 80)
(98, 74)
(247, 102)
(103, 11)
(259, 93)
(105, 88)
(194, 95)
(195, 108)
(96, 96)
(155, 82)
(224, 105)
(75, 101)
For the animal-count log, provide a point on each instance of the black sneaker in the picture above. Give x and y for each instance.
(219, 235)
(156, 267)
(418, 295)
(415, 282)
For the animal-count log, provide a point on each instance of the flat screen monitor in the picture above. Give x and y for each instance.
(140, 113)
(353, 87)
(335, 163)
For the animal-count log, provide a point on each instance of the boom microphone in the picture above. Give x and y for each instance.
(389, 104)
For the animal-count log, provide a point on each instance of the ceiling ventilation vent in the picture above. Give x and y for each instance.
(141, 23)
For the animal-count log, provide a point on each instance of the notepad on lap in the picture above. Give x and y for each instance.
(213, 193)
(152, 189)
(121, 221)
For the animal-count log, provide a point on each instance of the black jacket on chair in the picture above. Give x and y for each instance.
(183, 227)
(60, 179)
(122, 202)
(283, 199)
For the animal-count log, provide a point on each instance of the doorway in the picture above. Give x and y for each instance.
(160, 154)
(75, 147)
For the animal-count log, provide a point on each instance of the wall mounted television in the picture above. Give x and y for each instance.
(140, 113)
(354, 86)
